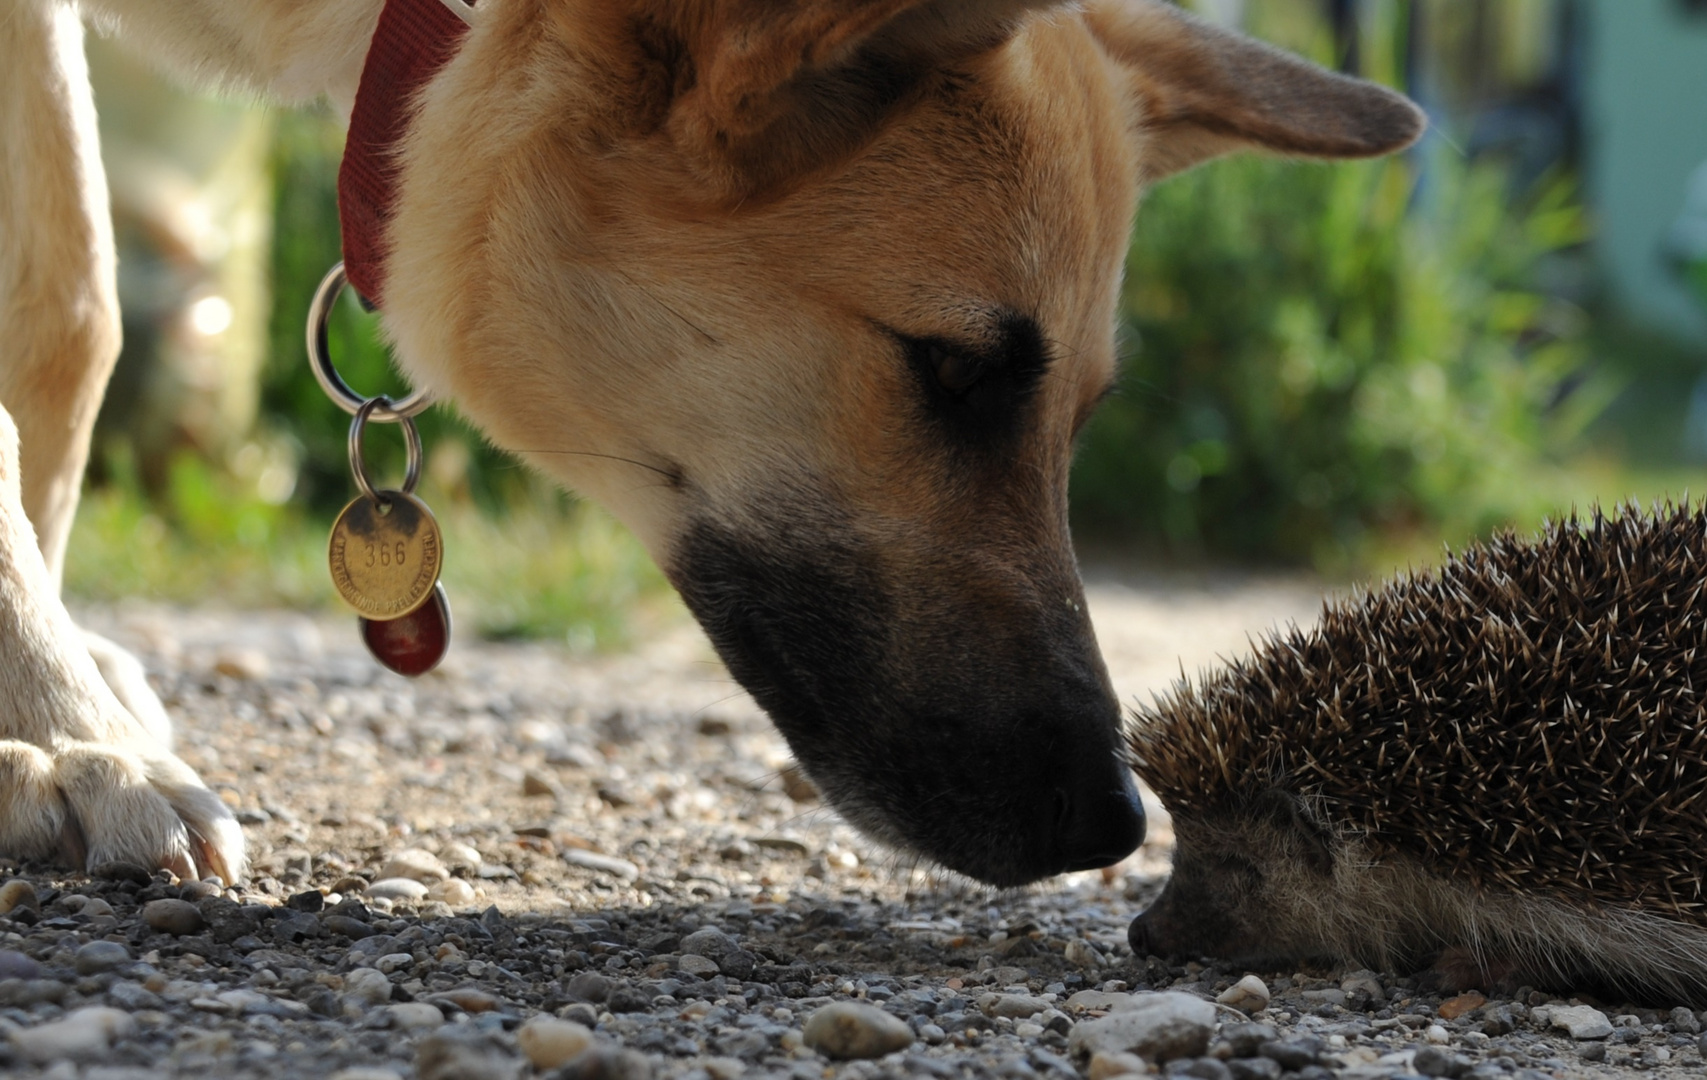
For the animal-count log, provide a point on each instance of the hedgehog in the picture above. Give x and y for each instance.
(1493, 772)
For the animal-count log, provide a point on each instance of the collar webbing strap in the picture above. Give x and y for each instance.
(414, 39)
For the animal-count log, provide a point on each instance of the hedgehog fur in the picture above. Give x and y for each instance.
(1498, 767)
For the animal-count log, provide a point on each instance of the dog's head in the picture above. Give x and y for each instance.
(815, 295)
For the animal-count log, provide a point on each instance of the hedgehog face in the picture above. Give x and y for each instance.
(1246, 888)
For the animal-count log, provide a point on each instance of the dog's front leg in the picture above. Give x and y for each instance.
(80, 774)
(80, 777)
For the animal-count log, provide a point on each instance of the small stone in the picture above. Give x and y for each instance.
(1080, 953)
(1437, 1035)
(1683, 1021)
(1159, 1027)
(17, 965)
(702, 966)
(548, 1042)
(849, 1030)
(1099, 1000)
(605, 1063)
(366, 1072)
(99, 956)
(1248, 995)
(15, 894)
(397, 888)
(453, 891)
(587, 986)
(310, 901)
(1203, 1068)
(708, 942)
(1012, 1006)
(1364, 982)
(1580, 1021)
(84, 1035)
(414, 1015)
(133, 873)
(1293, 1054)
(470, 999)
(534, 784)
(1104, 1065)
(175, 917)
(416, 864)
(601, 864)
(1436, 1061)
(797, 785)
(368, 986)
(1244, 1040)
(1256, 1068)
(461, 1054)
(1469, 1001)
(246, 664)
(344, 926)
(1592, 1051)
(195, 891)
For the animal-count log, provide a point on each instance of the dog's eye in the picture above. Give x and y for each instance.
(955, 372)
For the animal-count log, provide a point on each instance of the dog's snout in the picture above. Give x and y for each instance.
(1099, 820)
(1138, 936)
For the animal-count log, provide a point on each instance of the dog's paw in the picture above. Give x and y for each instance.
(87, 803)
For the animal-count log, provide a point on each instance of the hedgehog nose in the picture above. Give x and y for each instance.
(1100, 822)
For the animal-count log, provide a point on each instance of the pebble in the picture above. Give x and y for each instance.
(453, 891)
(414, 1015)
(1159, 1027)
(1580, 1021)
(850, 1030)
(548, 1042)
(368, 986)
(175, 917)
(1100, 1001)
(397, 888)
(1684, 1021)
(84, 1035)
(702, 966)
(247, 664)
(1080, 953)
(1453, 1008)
(465, 1055)
(1248, 995)
(16, 965)
(601, 864)
(470, 999)
(15, 894)
(99, 956)
(416, 864)
(1104, 1065)
(1012, 1006)
(604, 1063)
(366, 1072)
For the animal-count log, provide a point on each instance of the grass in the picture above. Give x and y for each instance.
(545, 567)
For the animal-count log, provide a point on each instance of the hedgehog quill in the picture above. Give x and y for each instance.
(1496, 770)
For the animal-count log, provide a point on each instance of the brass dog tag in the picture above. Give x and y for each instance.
(385, 554)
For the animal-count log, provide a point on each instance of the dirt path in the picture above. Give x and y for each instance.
(592, 814)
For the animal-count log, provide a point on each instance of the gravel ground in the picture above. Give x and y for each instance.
(537, 864)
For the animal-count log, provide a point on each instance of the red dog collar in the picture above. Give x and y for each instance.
(414, 39)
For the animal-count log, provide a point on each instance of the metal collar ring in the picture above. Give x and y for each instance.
(320, 360)
(366, 411)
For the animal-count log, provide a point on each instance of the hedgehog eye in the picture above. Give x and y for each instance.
(955, 372)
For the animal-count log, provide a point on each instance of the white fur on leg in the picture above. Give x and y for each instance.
(76, 768)
(127, 679)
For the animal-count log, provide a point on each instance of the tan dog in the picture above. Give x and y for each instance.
(813, 294)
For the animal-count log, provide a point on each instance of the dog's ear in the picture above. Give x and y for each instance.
(1201, 91)
(776, 88)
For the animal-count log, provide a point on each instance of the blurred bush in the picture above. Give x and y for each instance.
(1326, 360)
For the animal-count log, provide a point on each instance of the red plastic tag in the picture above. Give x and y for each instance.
(414, 644)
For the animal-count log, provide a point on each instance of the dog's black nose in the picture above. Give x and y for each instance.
(1138, 936)
(1100, 820)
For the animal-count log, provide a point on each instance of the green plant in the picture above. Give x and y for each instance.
(1326, 360)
